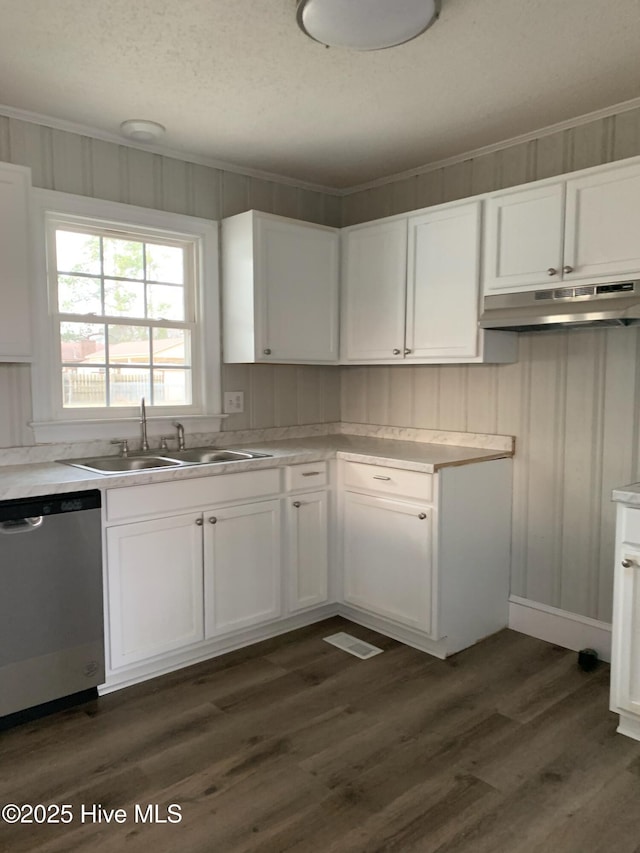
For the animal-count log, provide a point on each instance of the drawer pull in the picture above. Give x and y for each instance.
(311, 473)
(422, 516)
(380, 477)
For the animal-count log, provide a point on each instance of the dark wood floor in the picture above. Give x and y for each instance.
(293, 745)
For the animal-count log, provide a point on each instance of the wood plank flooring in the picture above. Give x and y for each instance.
(294, 745)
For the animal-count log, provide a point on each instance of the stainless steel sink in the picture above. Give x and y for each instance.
(172, 459)
(120, 464)
(207, 455)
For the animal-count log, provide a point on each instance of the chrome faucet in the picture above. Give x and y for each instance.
(143, 426)
(180, 430)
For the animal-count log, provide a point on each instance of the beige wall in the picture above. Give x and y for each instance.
(274, 396)
(572, 399)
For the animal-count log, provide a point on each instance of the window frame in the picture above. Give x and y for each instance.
(52, 421)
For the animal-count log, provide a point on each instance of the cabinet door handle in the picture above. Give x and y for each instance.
(310, 473)
(213, 520)
(199, 522)
(266, 351)
(627, 563)
(297, 504)
(567, 269)
(396, 351)
(552, 271)
(380, 477)
(422, 516)
(407, 351)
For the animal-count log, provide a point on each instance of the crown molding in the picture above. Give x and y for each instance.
(105, 136)
(162, 150)
(549, 130)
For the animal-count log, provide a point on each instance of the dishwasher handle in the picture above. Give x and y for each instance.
(22, 525)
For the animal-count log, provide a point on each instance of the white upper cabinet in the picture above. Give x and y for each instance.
(603, 224)
(15, 326)
(374, 277)
(523, 236)
(279, 290)
(582, 229)
(411, 290)
(443, 283)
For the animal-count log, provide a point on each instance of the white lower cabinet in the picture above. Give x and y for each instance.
(242, 575)
(387, 558)
(625, 647)
(425, 557)
(308, 550)
(248, 561)
(154, 583)
(196, 567)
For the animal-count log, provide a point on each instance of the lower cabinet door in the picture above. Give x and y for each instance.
(155, 587)
(308, 539)
(387, 558)
(242, 566)
(625, 660)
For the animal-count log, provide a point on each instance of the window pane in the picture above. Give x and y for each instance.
(128, 345)
(123, 258)
(79, 295)
(171, 387)
(83, 387)
(82, 343)
(128, 384)
(165, 263)
(165, 302)
(171, 346)
(123, 298)
(77, 252)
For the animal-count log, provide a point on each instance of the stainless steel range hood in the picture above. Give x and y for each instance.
(616, 304)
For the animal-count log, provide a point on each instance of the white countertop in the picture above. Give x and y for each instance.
(44, 478)
(627, 494)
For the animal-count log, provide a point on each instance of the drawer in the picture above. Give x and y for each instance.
(631, 525)
(179, 496)
(310, 475)
(391, 481)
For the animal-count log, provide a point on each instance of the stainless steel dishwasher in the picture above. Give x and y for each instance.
(51, 619)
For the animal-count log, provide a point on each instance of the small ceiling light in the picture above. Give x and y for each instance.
(142, 131)
(366, 24)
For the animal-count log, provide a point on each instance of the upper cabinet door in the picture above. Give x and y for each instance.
(523, 239)
(297, 298)
(279, 290)
(15, 326)
(603, 224)
(375, 269)
(443, 283)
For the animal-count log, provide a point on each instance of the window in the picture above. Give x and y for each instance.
(125, 316)
(130, 311)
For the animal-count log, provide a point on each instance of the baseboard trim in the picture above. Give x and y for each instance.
(559, 626)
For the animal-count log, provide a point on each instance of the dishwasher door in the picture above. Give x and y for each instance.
(51, 615)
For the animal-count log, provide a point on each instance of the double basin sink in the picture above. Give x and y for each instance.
(164, 459)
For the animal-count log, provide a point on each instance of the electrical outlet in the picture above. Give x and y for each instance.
(233, 402)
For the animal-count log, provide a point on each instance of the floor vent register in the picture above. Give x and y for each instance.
(353, 645)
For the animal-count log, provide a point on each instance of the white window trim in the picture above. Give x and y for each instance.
(50, 424)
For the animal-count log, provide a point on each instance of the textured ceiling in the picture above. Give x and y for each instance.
(236, 80)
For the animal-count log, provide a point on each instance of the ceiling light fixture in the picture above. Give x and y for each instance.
(141, 130)
(366, 24)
